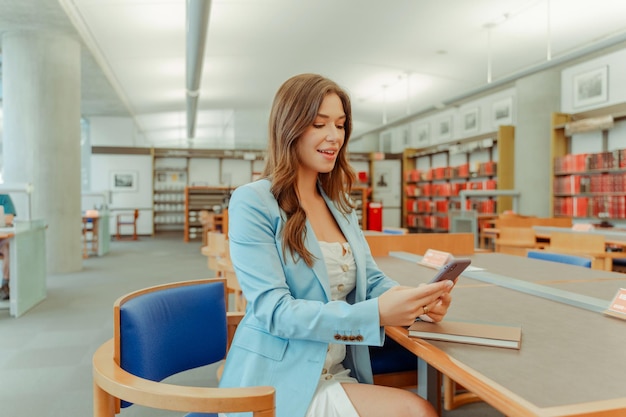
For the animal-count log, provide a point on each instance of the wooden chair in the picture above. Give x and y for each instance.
(581, 244)
(126, 219)
(226, 270)
(553, 221)
(516, 240)
(167, 329)
(207, 220)
(418, 243)
(214, 250)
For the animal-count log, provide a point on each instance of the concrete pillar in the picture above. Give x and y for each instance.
(538, 96)
(41, 83)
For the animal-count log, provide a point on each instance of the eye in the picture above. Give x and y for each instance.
(340, 127)
(318, 125)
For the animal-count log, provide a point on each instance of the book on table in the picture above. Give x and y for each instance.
(476, 333)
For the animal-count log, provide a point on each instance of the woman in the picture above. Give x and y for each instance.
(316, 298)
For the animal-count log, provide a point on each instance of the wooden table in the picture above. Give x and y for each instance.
(573, 357)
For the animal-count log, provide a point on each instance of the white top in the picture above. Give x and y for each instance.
(330, 399)
(341, 270)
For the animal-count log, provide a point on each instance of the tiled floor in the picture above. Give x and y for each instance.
(45, 355)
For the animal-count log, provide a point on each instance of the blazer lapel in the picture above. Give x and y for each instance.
(319, 267)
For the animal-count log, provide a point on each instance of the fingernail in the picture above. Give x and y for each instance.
(449, 283)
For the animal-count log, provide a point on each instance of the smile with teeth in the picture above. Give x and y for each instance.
(328, 154)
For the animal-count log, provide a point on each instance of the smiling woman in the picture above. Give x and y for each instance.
(315, 298)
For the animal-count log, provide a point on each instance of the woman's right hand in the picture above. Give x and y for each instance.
(399, 306)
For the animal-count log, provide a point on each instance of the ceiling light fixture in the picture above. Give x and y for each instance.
(385, 104)
(549, 32)
(489, 27)
(408, 92)
(197, 26)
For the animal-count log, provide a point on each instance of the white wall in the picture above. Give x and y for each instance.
(615, 64)
(113, 131)
(204, 172)
(102, 167)
(426, 131)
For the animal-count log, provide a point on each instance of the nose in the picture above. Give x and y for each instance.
(333, 134)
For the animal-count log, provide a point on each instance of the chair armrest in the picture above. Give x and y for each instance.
(120, 384)
(233, 318)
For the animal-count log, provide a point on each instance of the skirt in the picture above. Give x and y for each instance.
(330, 399)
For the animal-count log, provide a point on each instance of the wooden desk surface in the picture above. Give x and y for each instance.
(572, 361)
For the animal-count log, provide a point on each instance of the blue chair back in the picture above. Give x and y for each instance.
(560, 257)
(171, 330)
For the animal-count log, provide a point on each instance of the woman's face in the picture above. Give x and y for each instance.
(319, 145)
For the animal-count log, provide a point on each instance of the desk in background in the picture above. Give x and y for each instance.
(615, 243)
(572, 360)
(611, 236)
(27, 279)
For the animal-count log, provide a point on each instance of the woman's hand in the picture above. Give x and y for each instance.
(399, 306)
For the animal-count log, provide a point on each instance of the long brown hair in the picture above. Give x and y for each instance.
(295, 108)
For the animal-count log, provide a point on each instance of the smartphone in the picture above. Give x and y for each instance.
(452, 270)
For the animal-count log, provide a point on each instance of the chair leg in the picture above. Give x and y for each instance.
(451, 399)
(103, 403)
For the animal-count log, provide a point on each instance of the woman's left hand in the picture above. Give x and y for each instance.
(438, 309)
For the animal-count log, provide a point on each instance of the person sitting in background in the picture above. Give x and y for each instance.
(9, 213)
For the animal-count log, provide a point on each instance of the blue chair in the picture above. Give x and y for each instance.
(560, 257)
(164, 330)
(393, 365)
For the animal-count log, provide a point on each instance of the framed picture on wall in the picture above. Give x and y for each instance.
(470, 121)
(591, 87)
(422, 135)
(502, 112)
(123, 181)
(445, 128)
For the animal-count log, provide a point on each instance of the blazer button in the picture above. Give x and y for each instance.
(352, 337)
(327, 377)
(345, 267)
(324, 371)
(340, 287)
(359, 338)
(344, 338)
(337, 336)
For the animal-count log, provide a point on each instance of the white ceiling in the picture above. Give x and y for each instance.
(425, 52)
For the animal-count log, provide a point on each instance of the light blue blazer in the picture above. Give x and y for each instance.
(290, 318)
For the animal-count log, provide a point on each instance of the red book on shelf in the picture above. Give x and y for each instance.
(580, 206)
(462, 170)
(491, 184)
